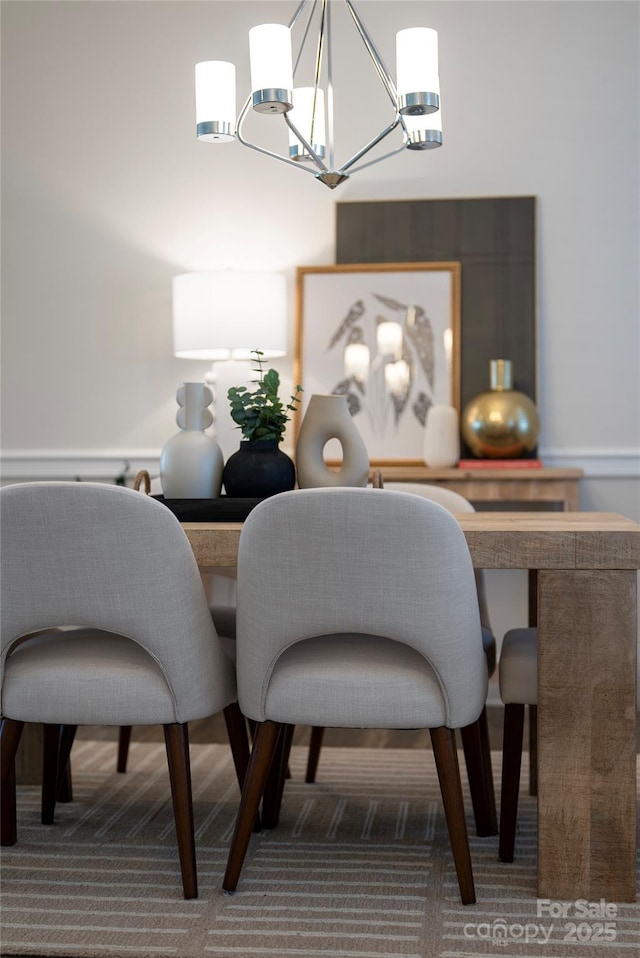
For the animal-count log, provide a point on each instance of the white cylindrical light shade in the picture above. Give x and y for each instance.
(417, 81)
(356, 361)
(271, 67)
(227, 314)
(215, 101)
(389, 339)
(308, 116)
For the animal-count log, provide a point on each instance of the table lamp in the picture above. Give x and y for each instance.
(221, 316)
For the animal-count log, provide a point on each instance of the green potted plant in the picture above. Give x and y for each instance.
(259, 468)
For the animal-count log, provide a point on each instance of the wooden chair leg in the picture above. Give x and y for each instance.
(477, 754)
(262, 756)
(124, 738)
(274, 788)
(533, 750)
(50, 767)
(511, 761)
(315, 744)
(238, 740)
(64, 789)
(10, 733)
(177, 745)
(443, 741)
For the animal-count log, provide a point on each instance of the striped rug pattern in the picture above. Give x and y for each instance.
(359, 867)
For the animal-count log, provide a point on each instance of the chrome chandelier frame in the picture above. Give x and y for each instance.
(329, 174)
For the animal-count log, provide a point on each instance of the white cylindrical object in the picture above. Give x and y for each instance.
(271, 67)
(389, 338)
(356, 361)
(308, 116)
(417, 81)
(216, 101)
(227, 314)
(441, 437)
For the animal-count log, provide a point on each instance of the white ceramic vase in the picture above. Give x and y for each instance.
(441, 437)
(328, 417)
(191, 462)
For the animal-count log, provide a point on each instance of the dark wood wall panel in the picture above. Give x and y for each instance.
(494, 240)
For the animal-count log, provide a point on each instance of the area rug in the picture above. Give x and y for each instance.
(359, 867)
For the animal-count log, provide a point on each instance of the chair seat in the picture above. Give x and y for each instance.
(50, 679)
(355, 681)
(519, 667)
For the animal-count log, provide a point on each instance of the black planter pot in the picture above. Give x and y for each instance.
(257, 470)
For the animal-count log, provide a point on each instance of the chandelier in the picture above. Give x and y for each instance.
(308, 111)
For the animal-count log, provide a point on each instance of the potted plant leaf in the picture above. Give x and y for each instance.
(259, 468)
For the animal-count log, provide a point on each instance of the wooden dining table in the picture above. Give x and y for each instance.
(586, 566)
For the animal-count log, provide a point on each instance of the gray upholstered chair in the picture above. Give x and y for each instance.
(116, 567)
(357, 610)
(224, 614)
(479, 769)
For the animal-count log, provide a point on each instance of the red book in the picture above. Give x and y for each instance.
(500, 464)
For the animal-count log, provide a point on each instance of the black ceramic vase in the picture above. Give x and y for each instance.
(257, 470)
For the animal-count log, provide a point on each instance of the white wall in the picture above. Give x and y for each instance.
(107, 194)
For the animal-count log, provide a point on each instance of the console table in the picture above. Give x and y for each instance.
(556, 488)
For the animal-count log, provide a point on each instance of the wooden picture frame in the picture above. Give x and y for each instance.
(339, 306)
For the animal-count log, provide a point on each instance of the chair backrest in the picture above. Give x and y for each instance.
(106, 557)
(452, 501)
(329, 561)
(455, 503)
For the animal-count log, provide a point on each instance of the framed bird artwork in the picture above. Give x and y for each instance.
(387, 336)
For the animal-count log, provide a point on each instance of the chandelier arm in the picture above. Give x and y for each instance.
(313, 155)
(385, 156)
(316, 79)
(306, 29)
(326, 5)
(370, 145)
(383, 73)
(261, 149)
(277, 156)
(298, 11)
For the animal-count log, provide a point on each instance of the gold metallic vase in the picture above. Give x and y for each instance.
(501, 423)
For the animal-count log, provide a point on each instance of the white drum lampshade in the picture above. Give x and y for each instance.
(221, 315)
